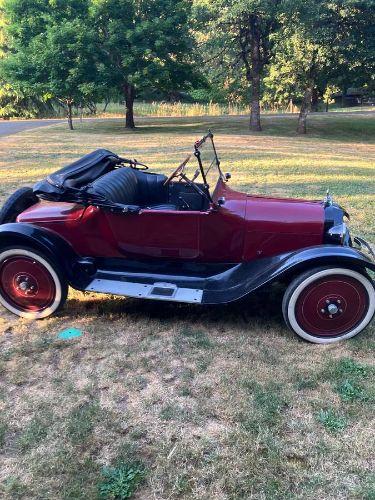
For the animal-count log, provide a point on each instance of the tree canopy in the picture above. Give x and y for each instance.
(143, 44)
(258, 52)
(50, 50)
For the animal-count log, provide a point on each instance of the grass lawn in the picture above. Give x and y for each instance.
(177, 401)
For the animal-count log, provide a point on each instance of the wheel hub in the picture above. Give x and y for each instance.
(331, 307)
(26, 284)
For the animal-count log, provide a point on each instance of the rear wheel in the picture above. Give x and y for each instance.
(325, 305)
(30, 285)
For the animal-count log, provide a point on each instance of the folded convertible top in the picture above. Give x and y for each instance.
(76, 175)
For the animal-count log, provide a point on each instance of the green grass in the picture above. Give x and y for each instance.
(367, 490)
(189, 338)
(331, 420)
(352, 380)
(119, 483)
(348, 367)
(266, 405)
(179, 109)
(3, 431)
(35, 432)
(215, 402)
(349, 391)
(81, 421)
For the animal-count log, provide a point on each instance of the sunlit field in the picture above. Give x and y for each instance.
(200, 403)
(182, 109)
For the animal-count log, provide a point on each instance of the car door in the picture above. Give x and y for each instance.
(157, 234)
(170, 234)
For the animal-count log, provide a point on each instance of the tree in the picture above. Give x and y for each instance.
(294, 68)
(13, 102)
(218, 55)
(321, 45)
(245, 28)
(50, 50)
(143, 44)
(355, 45)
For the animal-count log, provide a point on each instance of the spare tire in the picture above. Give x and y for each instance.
(19, 201)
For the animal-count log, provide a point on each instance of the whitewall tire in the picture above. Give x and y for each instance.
(31, 286)
(326, 305)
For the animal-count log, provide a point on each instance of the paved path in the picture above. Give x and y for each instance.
(14, 126)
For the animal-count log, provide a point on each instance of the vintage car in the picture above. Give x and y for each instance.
(104, 224)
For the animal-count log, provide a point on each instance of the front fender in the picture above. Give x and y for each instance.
(43, 240)
(241, 279)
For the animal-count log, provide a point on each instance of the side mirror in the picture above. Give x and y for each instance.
(228, 176)
(221, 201)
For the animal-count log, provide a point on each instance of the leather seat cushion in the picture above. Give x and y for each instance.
(151, 187)
(133, 187)
(119, 186)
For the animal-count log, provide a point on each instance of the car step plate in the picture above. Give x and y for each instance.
(156, 291)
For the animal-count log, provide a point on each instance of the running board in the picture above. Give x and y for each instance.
(155, 291)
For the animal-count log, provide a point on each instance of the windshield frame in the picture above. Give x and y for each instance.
(203, 188)
(216, 161)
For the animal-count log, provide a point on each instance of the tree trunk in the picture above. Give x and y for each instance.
(106, 102)
(173, 96)
(306, 101)
(255, 105)
(327, 105)
(129, 92)
(255, 73)
(314, 100)
(70, 115)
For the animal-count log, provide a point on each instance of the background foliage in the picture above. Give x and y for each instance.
(256, 54)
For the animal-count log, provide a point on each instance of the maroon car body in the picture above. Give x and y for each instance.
(98, 225)
(245, 228)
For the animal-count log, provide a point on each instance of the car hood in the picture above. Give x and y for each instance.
(277, 225)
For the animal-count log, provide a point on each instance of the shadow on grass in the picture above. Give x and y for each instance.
(259, 309)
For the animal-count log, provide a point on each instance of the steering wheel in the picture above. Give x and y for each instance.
(177, 172)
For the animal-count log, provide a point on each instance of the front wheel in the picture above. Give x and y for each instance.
(30, 285)
(325, 305)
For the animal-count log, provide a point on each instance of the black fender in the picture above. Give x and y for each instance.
(242, 279)
(50, 244)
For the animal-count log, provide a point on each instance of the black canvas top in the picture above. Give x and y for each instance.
(84, 170)
(60, 184)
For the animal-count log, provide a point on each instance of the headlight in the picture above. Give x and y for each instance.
(339, 235)
(336, 231)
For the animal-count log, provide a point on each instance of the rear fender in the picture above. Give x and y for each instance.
(43, 240)
(242, 279)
